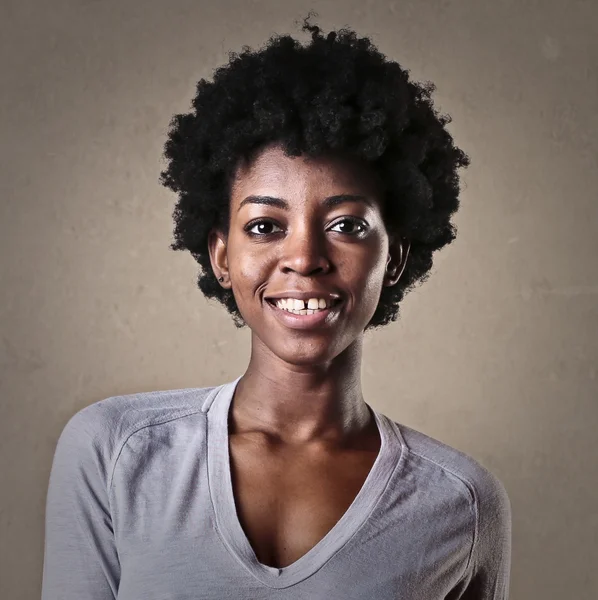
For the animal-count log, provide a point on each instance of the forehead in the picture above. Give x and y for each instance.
(271, 169)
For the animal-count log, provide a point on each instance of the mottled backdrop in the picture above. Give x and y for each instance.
(497, 354)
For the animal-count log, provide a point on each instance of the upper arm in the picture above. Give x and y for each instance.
(488, 574)
(80, 556)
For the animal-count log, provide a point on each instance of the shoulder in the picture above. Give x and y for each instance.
(487, 570)
(449, 474)
(95, 434)
(481, 482)
(487, 497)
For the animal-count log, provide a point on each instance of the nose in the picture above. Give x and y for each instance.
(305, 253)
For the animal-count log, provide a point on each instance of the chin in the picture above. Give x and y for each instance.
(305, 353)
(304, 347)
(305, 359)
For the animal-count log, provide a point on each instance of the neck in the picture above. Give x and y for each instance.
(302, 403)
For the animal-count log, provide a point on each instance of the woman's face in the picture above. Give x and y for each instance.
(302, 229)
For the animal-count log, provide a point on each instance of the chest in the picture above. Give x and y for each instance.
(288, 500)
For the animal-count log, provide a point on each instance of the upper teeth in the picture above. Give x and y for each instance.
(294, 304)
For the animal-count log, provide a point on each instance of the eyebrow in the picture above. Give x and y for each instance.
(327, 203)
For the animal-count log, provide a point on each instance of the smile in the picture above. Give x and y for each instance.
(303, 307)
(300, 314)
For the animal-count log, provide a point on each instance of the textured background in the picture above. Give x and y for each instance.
(497, 354)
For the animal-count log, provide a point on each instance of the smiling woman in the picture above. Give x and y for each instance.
(304, 228)
(314, 183)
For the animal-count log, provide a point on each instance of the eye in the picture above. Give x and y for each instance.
(262, 227)
(350, 226)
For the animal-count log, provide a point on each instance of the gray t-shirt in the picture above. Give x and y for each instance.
(140, 507)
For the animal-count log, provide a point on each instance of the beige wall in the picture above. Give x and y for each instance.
(496, 355)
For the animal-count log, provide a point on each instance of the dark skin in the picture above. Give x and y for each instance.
(302, 438)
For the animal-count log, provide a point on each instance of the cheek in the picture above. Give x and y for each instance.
(255, 259)
(372, 287)
(365, 267)
(248, 268)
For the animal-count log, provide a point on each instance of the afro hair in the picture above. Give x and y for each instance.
(336, 94)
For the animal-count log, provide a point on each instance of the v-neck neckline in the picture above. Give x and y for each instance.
(389, 457)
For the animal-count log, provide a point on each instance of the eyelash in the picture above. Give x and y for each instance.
(353, 220)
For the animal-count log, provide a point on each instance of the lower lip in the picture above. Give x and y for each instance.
(322, 317)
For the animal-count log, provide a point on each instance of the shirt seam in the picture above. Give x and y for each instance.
(149, 422)
(474, 501)
(87, 536)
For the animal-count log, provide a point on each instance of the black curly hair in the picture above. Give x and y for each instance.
(338, 94)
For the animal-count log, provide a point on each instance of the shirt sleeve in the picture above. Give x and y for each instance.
(80, 556)
(488, 574)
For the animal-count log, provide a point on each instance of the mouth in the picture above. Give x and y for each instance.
(297, 314)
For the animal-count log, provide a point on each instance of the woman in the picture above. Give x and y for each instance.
(314, 185)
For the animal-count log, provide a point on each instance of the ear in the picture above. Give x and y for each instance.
(218, 256)
(398, 251)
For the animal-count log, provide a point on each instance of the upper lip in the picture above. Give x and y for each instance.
(303, 295)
